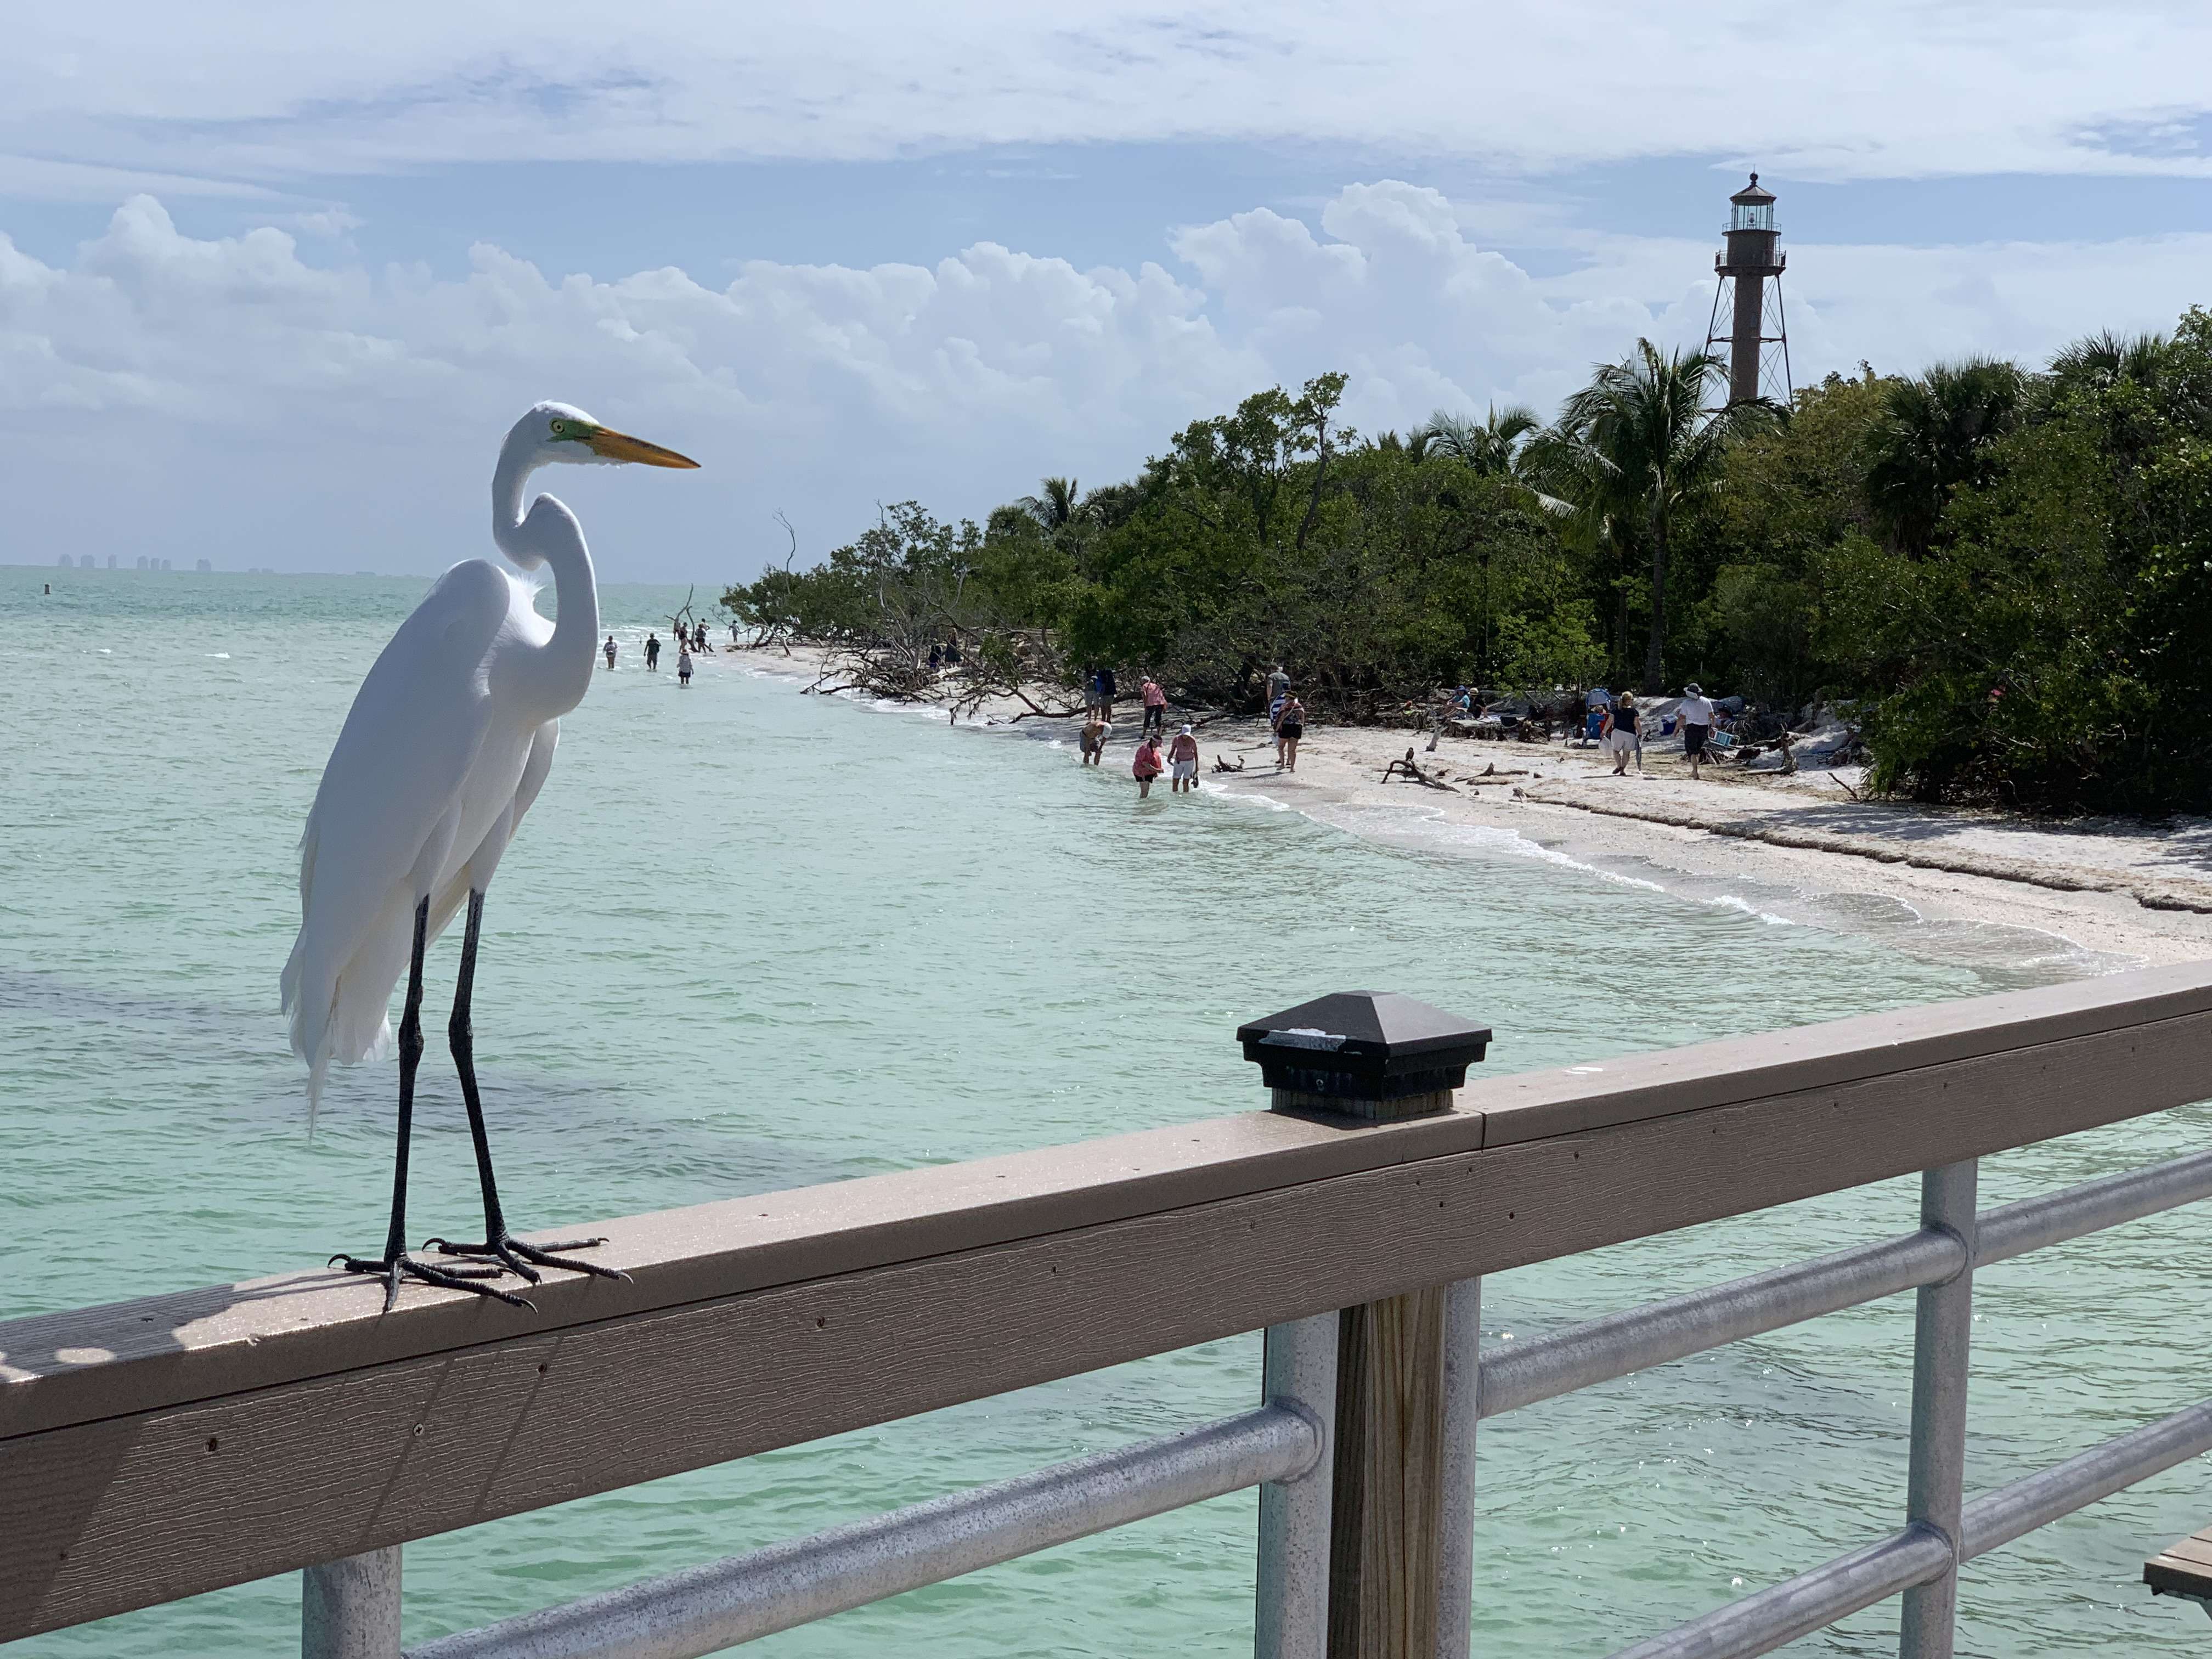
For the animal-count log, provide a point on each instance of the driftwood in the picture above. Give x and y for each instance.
(1410, 770)
(1036, 713)
(1221, 765)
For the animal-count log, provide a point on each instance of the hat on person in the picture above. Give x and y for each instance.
(1186, 728)
(1694, 690)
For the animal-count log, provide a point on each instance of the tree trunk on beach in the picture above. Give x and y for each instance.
(1656, 645)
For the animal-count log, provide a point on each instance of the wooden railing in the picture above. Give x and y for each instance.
(153, 1449)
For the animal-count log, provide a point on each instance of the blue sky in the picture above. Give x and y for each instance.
(274, 283)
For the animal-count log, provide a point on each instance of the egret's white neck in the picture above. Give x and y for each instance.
(552, 677)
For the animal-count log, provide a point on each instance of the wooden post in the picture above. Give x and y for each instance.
(1368, 1058)
(1385, 1546)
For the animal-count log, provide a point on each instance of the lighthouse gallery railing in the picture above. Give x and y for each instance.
(155, 1450)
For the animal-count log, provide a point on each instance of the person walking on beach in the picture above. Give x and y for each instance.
(1182, 762)
(1278, 685)
(1092, 741)
(1156, 706)
(1147, 765)
(1288, 730)
(1621, 735)
(1696, 717)
(652, 652)
(1106, 690)
(684, 666)
(609, 648)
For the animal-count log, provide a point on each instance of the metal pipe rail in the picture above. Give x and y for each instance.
(1781, 1614)
(707, 1609)
(1604, 1349)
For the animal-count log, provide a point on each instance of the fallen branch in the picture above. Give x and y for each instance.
(1410, 770)
(1037, 712)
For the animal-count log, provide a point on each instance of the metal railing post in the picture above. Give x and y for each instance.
(1462, 1409)
(350, 1608)
(1942, 1328)
(1291, 1615)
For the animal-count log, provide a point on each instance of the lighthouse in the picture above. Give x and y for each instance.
(1747, 320)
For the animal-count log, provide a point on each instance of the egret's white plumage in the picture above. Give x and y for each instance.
(446, 746)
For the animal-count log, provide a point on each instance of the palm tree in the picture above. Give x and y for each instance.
(2098, 361)
(1935, 435)
(1635, 447)
(1492, 447)
(1058, 505)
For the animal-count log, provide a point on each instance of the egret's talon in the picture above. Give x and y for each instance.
(453, 1279)
(517, 1256)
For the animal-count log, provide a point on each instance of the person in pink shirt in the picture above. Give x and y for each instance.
(1156, 707)
(1148, 764)
(1182, 760)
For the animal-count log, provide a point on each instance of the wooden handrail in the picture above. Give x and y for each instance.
(156, 1449)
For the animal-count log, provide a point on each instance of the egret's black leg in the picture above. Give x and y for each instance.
(396, 1264)
(498, 1242)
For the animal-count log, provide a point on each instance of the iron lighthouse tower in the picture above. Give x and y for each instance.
(1747, 320)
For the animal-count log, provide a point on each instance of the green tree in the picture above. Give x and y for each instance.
(1636, 449)
(1937, 435)
(1752, 562)
(1491, 445)
(1057, 504)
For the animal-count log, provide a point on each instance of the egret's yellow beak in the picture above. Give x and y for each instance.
(621, 446)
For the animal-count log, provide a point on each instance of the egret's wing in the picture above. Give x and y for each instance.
(477, 872)
(390, 786)
(535, 768)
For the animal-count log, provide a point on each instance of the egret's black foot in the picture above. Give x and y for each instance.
(404, 1265)
(516, 1256)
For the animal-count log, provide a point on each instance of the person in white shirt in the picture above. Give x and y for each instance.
(1696, 717)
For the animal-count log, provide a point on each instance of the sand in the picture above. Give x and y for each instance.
(2084, 896)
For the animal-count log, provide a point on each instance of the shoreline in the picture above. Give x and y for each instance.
(2069, 900)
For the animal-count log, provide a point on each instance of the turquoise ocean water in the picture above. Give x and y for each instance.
(750, 939)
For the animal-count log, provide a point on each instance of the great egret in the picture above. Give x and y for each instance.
(448, 742)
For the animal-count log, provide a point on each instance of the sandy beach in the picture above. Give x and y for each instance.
(2081, 896)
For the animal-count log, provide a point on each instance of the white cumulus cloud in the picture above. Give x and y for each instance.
(232, 399)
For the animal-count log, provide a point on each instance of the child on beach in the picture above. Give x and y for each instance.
(1092, 741)
(1183, 761)
(1147, 764)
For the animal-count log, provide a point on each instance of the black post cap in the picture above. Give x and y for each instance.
(1365, 1046)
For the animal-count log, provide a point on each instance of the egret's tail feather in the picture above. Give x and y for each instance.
(338, 1009)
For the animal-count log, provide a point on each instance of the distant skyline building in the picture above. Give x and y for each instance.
(1749, 295)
